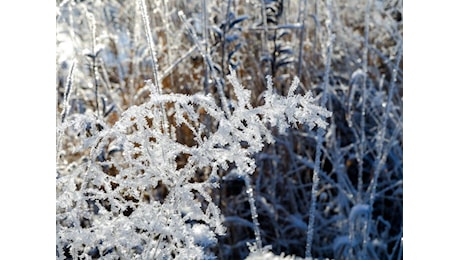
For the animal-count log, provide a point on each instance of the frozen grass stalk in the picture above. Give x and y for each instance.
(252, 204)
(156, 88)
(320, 134)
(166, 22)
(363, 106)
(363, 121)
(381, 155)
(265, 29)
(224, 36)
(145, 18)
(153, 55)
(209, 63)
(68, 89)
(169, 70)
(93, 57)
(204, 18)
(303, 8)
(66, 106)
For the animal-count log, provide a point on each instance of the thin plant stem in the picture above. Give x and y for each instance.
(303, 10)
(209, 63)
(320, 135)
(93, 57)
(166, 22)
(66, 106)
(68, 89)
(224, 36)
(157, 86)
(362, 142)
(381, 155)
(206, 44)
(254, 215)
(265, 29)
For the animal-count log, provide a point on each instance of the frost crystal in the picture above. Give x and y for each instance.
(135, 196)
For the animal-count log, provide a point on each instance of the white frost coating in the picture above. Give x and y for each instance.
(176, 224)
(202, 235)
(266, 254)
(358, 211)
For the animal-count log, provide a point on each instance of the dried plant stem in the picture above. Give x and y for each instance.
(224, 36)
(93, 57)
(381, 155)
(320, 135)
(66, 106)
(209, 63)
(363, 106)
(166, 22)
(168, 71)
(68, 89)
(157, 85)
(265, 30)
(254, 215)
(204, 13)
(145, 18)
(302, 10)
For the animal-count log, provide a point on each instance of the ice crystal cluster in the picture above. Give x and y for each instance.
(142, 192)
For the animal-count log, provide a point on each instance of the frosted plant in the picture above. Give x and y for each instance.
(136, 195)
(299, 200)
